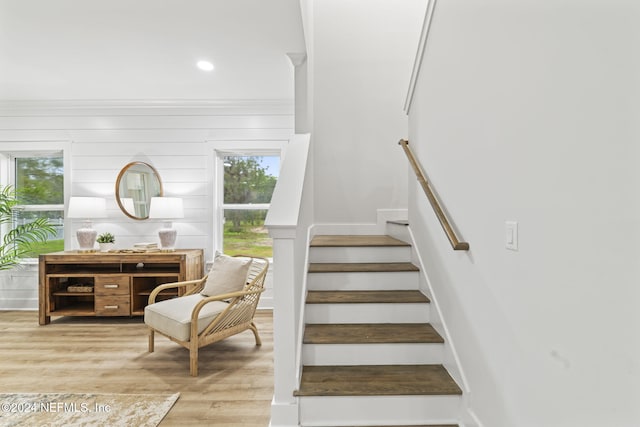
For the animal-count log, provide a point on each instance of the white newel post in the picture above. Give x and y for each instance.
(287, 216)
(284, 408)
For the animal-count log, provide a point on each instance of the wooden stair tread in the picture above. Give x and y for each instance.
(376, 380)
(328, 241)
(371, 333)
(361, 267)
(366, 297)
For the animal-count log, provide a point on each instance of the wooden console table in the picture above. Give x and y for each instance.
(109, 284)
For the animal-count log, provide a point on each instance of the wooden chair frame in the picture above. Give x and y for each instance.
(236, 318)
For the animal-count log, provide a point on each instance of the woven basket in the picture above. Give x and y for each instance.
(80, 288)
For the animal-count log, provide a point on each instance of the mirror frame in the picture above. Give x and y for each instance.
(119, 179)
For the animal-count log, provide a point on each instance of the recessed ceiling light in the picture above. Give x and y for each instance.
(205, 65)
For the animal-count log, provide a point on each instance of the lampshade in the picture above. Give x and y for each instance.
(166, 208)
(87, 207)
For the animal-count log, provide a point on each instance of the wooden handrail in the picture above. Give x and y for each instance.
(444, 222)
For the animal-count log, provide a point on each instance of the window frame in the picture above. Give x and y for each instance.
(218, 151)
(10, 150)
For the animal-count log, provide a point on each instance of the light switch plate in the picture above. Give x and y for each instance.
(511, 235)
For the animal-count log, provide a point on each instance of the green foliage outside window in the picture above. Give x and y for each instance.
(39, 199)
(39, 180)
(247, 181)
(250, 237)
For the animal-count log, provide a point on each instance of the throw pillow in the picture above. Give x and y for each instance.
(228, 274)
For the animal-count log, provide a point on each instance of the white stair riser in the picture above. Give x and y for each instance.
(404, 280)
(372, 354)
(367, 313)
(400, 232)
(389, 410)
(361, 254)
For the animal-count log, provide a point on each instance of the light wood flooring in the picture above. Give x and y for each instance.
(109, 355)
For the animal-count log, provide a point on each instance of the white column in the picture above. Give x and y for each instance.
(299, 61)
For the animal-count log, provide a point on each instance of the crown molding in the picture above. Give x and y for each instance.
(157, 106)
(417, 64)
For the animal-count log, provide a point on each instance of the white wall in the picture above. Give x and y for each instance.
(174, 137)
(19, 288)
(360, 60)
(528, 111)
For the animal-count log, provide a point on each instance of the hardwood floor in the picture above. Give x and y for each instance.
(109, 355)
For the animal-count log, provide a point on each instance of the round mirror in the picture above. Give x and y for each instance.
(137, 183)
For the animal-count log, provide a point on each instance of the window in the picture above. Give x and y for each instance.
(38, 179)
(248, 183)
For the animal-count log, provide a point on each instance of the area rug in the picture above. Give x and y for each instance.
(79, 410)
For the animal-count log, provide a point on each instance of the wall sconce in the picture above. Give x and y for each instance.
(87, 208)
(166, 208)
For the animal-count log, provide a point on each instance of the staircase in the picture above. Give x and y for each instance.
(370, 356)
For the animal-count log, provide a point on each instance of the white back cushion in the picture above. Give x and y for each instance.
(228, 274)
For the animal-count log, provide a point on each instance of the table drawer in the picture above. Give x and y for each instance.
(113, 306)
(112, 285)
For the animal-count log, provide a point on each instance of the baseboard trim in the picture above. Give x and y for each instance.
(379, 227)
(19, 304)
(284, 414)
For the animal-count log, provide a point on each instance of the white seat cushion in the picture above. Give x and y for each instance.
(173, 317)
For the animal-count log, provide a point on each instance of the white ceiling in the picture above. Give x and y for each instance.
(147, 49)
